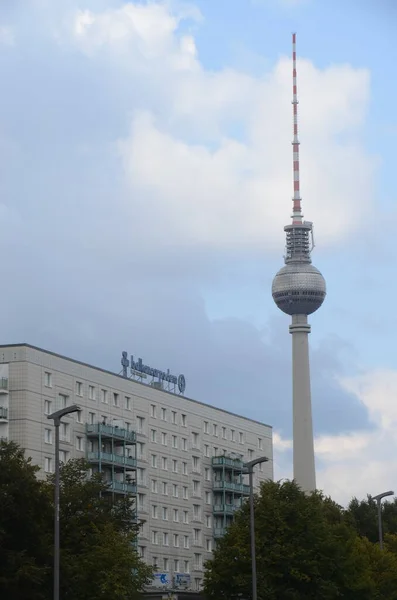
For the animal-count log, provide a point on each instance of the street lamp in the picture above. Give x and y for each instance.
(248, 467)
(378, 499)
(56, 417)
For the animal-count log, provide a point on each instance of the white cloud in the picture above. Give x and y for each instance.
(360, 462)
(184, 157)
(7, 36)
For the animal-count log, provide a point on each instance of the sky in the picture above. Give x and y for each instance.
(145, 180)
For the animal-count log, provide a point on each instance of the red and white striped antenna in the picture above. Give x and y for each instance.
(297, 208)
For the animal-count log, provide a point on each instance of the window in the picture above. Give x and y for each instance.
(48, 436)
(164, 463)
(174, 466)
(141, 500)
(195, 440)
(175, 515)
(197, 584)
(47, 379)
(141, 476)
(104, 396)
(165, 538)
(208, 521)
(79, 443)
(154, 461)
(260, 443)
(142, 551)
(176, 540)
(224, 433)
(163, 414)
(186, 541)
(115, 399)
(187, 566)
(196, 512)
(250, 454)
(175, 490)
(186, 516)
(174, 441)
(48, 464)
(208, 545)
(154, 486)
(140, 450)
(185, 493)
(165, 513)
(184, 468)
(153, 411)
(197, 536)
(63, 456)
(176, 564)
(206, 427)
(63, 401)
(232, 435)
(174, 421)
(104, 419)
(166, 562)
(241, 437)
(127, 402)
(47, 407)
(154, 561)
(79, 416)
(140, 424)
(208, 497)
(165, 488)
(184, 443)
(196, 464)
(183, 420)
(91, 418)
(206, 450)
(207, 474)
(198, 563)
(64, 434)
(215, 451)
(164, 438)
(261, 467)
(196, 487)
(155, 537)
(215, 429)
(153, 435)
(155, 511)
(79, 388)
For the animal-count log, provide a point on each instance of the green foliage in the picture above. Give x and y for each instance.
(363, 514)
(305, 549)
(98, 557)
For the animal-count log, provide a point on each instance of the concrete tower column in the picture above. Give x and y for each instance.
(304, 465)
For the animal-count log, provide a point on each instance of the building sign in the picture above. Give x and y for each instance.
(138, 368)
(160, 580)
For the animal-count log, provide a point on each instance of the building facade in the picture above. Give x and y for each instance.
(179, 458)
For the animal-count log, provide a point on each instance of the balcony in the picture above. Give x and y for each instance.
(225, 509)
(121, 487)
(227, 462)
(3, 412)
(107, 458)
(219, 532)
(3, 385)
(110, 432)
(229, 486)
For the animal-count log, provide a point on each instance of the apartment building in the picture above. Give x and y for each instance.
(180, 459)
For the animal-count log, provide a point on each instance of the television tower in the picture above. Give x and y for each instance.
(299, 290)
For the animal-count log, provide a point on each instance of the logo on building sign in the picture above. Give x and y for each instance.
(138, 368)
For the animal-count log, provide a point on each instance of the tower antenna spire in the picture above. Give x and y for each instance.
(297, 207)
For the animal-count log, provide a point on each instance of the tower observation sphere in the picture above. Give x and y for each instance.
(298, 289)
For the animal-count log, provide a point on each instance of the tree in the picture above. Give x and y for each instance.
(363, 514)
(305, 549)
(25, 522)
(98, 556)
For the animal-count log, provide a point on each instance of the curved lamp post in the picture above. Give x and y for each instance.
(248, 467)
(56, 417)
(378, 500)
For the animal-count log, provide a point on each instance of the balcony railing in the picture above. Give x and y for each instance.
(218, 462)
(227, 509)
(3, 412)
(219, 532)
(229, 486)
(122, 487)
(3, 384)
(111, 459)
(109, 431)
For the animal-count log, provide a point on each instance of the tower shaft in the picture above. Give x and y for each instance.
(303, 446)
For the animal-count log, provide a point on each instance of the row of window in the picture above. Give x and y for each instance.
(196, 486)
(172, 418)
(177, 540)
(179, 566)
(166, 511)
